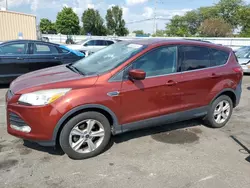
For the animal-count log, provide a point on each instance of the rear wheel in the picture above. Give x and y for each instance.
(220, 112)
(85, 135)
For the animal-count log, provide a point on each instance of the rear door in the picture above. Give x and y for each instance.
(200, 75)
(14, 59)
(44, 55)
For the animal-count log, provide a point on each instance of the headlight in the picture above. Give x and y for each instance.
(42, 97)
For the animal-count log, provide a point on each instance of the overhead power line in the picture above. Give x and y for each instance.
(148, 19)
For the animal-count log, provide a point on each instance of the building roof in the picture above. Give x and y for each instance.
(12, 12)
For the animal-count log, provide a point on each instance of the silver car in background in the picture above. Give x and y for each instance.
(89, 46)
(243, 55)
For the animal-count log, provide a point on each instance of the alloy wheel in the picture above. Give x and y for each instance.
(86, 136)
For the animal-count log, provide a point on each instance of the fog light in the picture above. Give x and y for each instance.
(25, 129)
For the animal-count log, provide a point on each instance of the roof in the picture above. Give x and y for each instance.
(25, 40)
(155, 41)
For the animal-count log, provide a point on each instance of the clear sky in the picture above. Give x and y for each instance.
(133, 9)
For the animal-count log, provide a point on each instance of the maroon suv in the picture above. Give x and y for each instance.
(126, 86)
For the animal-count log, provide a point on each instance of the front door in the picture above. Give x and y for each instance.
(43, 56)
(159, 93)
(13, 60)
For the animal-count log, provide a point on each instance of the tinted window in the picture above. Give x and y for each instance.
(193, 58)
(160, 61)
(109, 42)
(218, 57)
(100, 43)
(45, 49)
(12, 49)
(90, 43)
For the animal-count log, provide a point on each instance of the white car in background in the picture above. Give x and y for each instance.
(243, 55)
(89, 46)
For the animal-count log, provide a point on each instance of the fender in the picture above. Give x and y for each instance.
(83, 107)
(237, 93)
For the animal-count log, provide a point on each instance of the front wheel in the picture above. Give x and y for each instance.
(219, 112)
(85, 135)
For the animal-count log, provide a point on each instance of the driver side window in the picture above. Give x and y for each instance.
(160, 61)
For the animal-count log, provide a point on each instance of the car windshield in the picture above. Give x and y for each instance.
(108, 58)
(243, 52)
(82, 41)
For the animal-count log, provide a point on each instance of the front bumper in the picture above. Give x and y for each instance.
(41, 120)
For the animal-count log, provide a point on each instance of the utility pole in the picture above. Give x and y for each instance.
(154, 22)
(6, 5)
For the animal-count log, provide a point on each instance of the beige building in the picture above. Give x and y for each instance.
(14, 25)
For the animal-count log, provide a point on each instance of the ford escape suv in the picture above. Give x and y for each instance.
(127, 86)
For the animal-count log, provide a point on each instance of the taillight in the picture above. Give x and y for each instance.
(238, 70)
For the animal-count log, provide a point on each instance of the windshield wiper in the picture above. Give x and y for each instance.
(74, 69)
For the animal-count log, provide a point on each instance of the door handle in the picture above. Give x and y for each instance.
(57, 58)
(20, 58)
(171, 83)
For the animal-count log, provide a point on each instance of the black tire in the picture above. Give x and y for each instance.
(209, 119)
(65, 133)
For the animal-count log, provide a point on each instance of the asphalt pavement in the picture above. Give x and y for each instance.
(182, 155)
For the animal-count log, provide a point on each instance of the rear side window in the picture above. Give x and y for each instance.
(218, 57)
(64, 51)
(193, 58)
(45, 49)
(109, 42)
(100, 43)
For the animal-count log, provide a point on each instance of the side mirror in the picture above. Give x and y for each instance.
(137, 74)
(85, 44)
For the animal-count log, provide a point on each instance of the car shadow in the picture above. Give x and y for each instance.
(50, 150)
(248, 88)
(156, 130)
(57, 151)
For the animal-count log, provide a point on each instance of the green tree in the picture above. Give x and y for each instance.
(177, 27)
(67, 22)
(47, 27)
(192, 21)
(139, 32)
(244, 21)
(208, 12)
(93, 22)
(159, 33)
(229, 11)
(215, 27)
(115, 22)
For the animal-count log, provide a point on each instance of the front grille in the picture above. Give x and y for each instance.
(16, 120)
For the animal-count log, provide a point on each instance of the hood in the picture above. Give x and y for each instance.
(50, 78)
(243, 60)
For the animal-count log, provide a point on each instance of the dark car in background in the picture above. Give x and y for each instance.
(22, 56)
